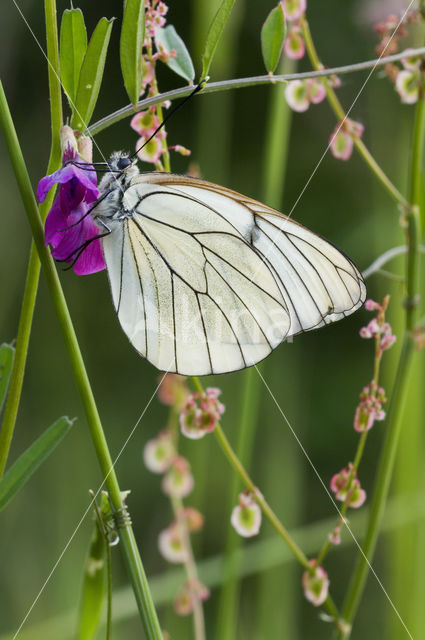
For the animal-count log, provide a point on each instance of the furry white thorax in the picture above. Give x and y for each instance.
(113, 184)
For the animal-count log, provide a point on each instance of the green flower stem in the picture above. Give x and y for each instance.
(17, 375)
(401, 383)
(128, 543)
(234, 461)
(33, 272)
(359, 452)
(239, 83)
(190, 568)
(341, 115)
(248, 412)
(178, 511)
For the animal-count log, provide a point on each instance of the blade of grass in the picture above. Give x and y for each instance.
(7, 356)
(29, 461)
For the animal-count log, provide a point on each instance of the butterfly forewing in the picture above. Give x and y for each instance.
(205, 280)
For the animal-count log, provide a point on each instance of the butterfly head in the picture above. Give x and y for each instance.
(122, 168)
(120, 163)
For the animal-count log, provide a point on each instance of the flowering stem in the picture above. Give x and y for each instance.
(128, 543)
(341, 115)
(239, 83)
(189, 564)
(234, 461)
(165, 152)
(248, 412)
(360, 445)
(401, 383)
(33, 272)
(190, 567)
(238, 467)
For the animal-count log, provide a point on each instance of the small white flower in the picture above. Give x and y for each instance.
(246, 516)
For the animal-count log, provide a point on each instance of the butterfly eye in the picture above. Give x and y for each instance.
(123, 163)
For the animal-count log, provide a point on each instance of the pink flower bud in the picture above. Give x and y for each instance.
(346, 487)
(201, 413)
(407, 86)
(296, 95)
(85, 148)
(179, 480)
(145, 122)
(151, 151)
(173, 390)
(335, 535)
(246, 516)
(373, 327)
(294, 45)
(342, 139)
(364, 418)
(411, 62)
(341, 144)
(69, 145)
(294, 9)
(178, 148)
(171, 546)
(356, 496)
(365, 333)
(194, 519)
(387, 341)
(316, 91)
(148, 73)
(192, 591)
(159, 453)
(315, 584)
(371, 305)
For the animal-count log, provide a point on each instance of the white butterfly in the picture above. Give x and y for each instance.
(206, 280)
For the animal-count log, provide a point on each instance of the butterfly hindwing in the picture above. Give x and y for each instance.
(205, 280)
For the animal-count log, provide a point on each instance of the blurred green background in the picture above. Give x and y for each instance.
(316, 379)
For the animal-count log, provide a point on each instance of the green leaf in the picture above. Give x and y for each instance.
(169, 39)
(91, 75)
(7, 355)
(94, 584)
(73, 47)
(131, 43)
(214, 34)
(21, 471)
(272, 37)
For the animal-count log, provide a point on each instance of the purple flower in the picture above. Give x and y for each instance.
(66, 228)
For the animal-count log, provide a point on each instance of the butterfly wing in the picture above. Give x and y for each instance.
(205, 280)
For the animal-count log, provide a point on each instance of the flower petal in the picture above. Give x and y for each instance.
(87, 178)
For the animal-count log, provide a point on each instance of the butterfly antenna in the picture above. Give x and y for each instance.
(198, 88)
